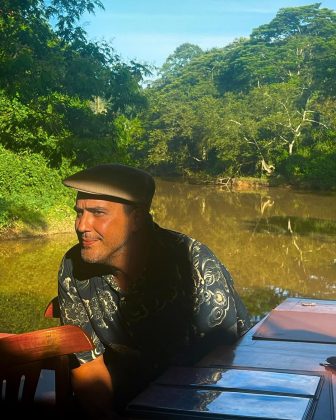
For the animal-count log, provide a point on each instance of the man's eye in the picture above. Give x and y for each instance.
(98, 212)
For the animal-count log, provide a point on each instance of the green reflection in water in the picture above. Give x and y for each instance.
(276, 243)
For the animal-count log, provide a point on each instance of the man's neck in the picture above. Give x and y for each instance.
(130, 263)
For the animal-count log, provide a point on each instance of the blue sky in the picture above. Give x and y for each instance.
(150, 30)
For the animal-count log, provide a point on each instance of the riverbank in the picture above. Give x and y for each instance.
(50, 227)
(231, 183)
(236, 184)
(60, 218)
(255, 183)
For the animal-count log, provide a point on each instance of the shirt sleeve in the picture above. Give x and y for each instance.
(243, 317)
(217, 307)
(73, 310)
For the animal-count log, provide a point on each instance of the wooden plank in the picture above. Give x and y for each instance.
(2, 335)
(307, 325)
(301, 357)
(307, 305)
(41, 344)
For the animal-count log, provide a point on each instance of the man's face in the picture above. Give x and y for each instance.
(104, 229)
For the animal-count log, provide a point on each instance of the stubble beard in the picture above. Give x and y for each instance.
(90, 256)
(86, 257)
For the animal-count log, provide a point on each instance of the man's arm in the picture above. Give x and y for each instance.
(92, 385)
(218, 308)
(91, 380)
(243, 317)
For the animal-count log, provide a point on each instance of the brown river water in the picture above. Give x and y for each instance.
(276, 243)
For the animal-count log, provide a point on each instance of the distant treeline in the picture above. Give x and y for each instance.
(262, 106)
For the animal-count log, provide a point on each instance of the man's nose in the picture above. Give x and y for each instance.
(83, 222)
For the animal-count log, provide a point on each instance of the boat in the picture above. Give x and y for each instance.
(284, 367)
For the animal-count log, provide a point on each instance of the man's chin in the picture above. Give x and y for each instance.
(89, 257)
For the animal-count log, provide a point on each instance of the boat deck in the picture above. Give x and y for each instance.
(275, 371)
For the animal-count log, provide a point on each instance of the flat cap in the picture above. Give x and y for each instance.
(114, 180)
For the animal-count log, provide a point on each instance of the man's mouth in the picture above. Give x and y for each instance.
(86, 243)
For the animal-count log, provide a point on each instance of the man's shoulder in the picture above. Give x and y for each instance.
(178, 242)
(199, 252)
(172, 237)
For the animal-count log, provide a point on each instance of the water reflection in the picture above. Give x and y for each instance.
(299, 226)
(28, 271)
(276, 243)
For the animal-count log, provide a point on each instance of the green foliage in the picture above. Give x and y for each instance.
(314, 167)
(182, 56)
(29, 190)
(296, 42)
(261, 106)
(129, 145)
(66, 15)
(32, 128)
(292, 21)
(50, 77)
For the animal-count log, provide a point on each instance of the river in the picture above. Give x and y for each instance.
(276, 243)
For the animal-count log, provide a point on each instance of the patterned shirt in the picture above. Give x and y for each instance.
(183, 303)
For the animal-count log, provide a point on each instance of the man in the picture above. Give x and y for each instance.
(148, 297)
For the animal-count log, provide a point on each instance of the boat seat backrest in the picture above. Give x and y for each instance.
(23, 357)
(53, 310)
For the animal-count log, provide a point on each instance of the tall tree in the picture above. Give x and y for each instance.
(290, 45)
(261, 105)
(49, 75)
(182, 56)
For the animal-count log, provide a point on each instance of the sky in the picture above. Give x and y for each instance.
(148, 31)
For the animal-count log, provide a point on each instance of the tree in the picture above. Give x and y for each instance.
(49, 77)
(292, 44)
(296, 21)
(66, 15)
(182, 56)
(259, 105)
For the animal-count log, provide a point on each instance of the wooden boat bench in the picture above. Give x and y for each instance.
(273, 372)
(26, 361)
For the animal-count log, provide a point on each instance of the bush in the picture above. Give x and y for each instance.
(30, 192)
(314, 167)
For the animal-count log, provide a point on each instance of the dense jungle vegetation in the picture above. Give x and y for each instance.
(262, 106)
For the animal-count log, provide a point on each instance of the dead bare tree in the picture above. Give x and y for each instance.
(295, 125)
